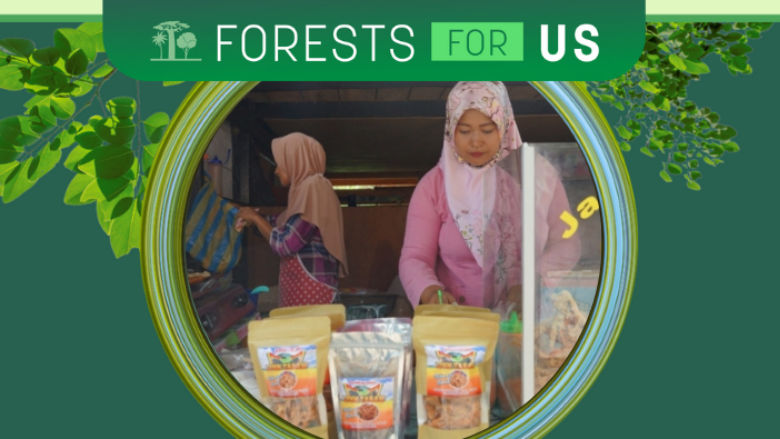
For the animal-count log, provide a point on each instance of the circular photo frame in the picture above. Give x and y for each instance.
(195, 123)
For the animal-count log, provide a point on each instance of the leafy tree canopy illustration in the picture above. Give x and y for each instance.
(186, 41)
(656, 114)
(106, 151)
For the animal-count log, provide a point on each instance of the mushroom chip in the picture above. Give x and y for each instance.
(453, 374)
(289, 357)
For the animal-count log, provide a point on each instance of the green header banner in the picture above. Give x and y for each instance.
(185, 40)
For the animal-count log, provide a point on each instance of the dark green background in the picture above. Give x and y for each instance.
(696, 356)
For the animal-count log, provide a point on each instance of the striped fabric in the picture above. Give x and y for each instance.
(211, 238)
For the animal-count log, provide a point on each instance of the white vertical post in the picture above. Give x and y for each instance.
(529, 269)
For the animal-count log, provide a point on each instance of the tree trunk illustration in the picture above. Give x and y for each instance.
(171, 43)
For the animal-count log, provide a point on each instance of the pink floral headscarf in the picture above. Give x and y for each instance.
(471, 191)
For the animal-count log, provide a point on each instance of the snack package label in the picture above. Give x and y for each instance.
(289, 371)
(366, 403)
(452, 370)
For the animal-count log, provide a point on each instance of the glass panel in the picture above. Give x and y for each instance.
(567, 269)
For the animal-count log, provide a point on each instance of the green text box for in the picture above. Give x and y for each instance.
(477, 41)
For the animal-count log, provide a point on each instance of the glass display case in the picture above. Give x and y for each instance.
(561, 270)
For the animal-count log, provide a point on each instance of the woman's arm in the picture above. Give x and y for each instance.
(416, 266)
(289, 238)
(250, 215)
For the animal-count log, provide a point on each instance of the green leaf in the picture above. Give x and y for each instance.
(47, 76)
(692, 185)
(731, 146)
(693, 164)
(88, 139)
(696, 68)
(8, 153)
(121, 107)
(103, 209)
(17, 46)
(125, 232)
(151, 150)
(649, 87)
(677, 62)
(665, 176)
(624, 133)
(740, 49)
(11, 78)
(91, 193)
(121, 207)
(116, 132)
(76, 188)
(63, 108)
(75, 157)
(107, 162)
(695, 175)
(34, 161)
(656, 144)
(646, 151)
(171, 83)
(77, 63)
(46, 57)
(16, 131)
(17, 182)
(6, 168)
(102, 71)
(625, 146)
(679, 157)
(95, 32)
(106, 208)
(674, 168)
(48, 159)
(45, 113)
(663, 134)
(708, 161)
(111, 188)
(726, 133)
(68, 40)
(733, 36)
(154, 126)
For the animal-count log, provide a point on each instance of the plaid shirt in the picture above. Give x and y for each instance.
(300, 237)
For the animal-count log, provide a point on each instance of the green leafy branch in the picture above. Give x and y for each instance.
(107, 153)
(656, 114)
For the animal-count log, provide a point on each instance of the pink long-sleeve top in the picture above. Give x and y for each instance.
(435, 253)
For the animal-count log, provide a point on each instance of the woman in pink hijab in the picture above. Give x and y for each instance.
(463, 228)
(309, 234)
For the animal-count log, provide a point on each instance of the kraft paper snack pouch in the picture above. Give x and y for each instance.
(447, 307)
(336, 312)
(453, 374)
(456, 311)
(289, 357)
(367, 378)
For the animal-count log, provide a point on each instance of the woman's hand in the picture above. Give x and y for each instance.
(515, 297)
(246, 215)
(430, 295)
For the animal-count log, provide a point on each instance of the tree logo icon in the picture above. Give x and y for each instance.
(166, 32)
